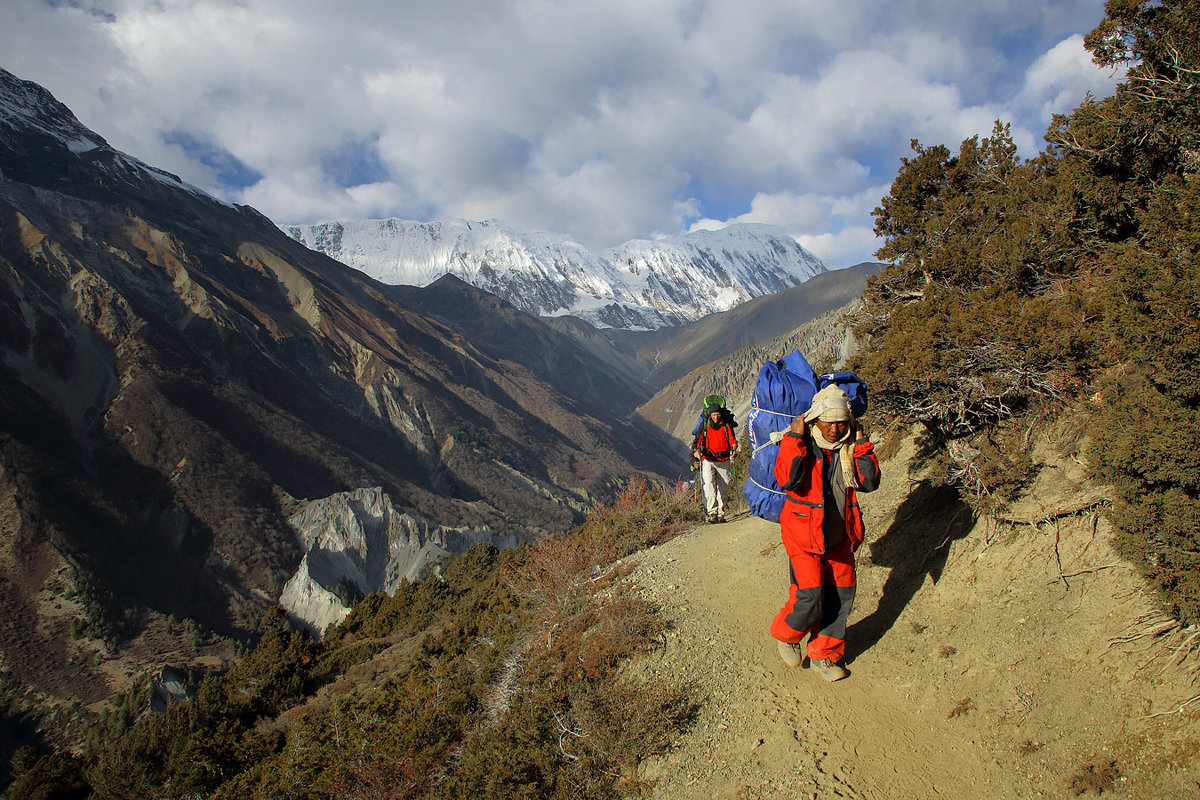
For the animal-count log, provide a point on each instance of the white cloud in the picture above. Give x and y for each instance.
(837, 228)
(604, 121)
(1059, 79)
(846, 247)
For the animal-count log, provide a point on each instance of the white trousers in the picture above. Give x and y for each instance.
(714, 477)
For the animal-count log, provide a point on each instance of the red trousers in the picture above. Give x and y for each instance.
(820, 596)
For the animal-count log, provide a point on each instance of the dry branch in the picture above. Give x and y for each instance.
(1084, 502)
(1087, 571)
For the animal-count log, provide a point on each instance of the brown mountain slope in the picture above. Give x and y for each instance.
(675, 352)
(179, 376)
(596, 376)
(824, 342)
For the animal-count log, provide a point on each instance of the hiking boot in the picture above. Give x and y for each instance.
(830, 670)
(712, 518)
(791, 654)
(720, 517)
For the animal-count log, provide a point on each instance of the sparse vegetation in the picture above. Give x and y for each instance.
(1029, 747)
(1098, 778)
(498, 679)
(964, 706)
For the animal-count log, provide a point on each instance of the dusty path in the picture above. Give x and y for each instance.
(987, 661)
(769, 731)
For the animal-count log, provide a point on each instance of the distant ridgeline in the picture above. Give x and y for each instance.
(639, 285)
(1068, 284)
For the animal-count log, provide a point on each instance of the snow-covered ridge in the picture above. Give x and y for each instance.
(641, 284)
(27, 108)
(24, 104)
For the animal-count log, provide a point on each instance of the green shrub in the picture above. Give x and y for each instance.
(1019, 288)
(468, 698)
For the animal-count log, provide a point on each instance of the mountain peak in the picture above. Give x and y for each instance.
(641, 284)
(26, 105)
(41, 140)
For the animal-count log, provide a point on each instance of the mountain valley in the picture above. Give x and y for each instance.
(183, 383)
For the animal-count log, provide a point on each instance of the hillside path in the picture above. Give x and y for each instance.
(769, 731)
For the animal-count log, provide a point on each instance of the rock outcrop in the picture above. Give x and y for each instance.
(356, 543)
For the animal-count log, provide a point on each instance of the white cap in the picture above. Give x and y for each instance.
(829, 405)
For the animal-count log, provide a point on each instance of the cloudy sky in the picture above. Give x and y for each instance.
(604, 120)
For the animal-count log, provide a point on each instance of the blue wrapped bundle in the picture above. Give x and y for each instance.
(784, 390)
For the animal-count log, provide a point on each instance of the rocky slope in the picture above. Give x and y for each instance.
(356, 543)
(675, 352)
(824, 341)
(641, 285)
(179, 378)
(575, 358)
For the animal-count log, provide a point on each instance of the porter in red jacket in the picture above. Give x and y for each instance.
(715, 446)
(822, 468)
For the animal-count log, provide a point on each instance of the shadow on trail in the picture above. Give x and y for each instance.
(929, 520)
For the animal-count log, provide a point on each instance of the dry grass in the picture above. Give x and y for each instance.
(963, 707)
(1096, 777)
(1029, 747)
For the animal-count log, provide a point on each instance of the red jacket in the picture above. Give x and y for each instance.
(716, 444)
(798, 469)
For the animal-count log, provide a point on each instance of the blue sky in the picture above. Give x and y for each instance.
(603, 121)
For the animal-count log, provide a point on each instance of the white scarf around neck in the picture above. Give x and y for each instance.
(846, 456)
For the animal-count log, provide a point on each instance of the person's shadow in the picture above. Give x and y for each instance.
(929, 520)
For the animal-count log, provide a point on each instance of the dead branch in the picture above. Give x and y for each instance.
(1182, 651)
(565, 730)
(1148, 629)
(1057, 555)
(1094, 522)
(507, 683)
(1086, 571)
(1085, 502)
(946, 540)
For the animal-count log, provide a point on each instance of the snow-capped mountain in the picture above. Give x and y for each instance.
(641, 284)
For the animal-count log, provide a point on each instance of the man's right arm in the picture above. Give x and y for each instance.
(865, 461)
(789, 463)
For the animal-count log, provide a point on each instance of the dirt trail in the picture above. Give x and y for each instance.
(949, 695)
(785, 732)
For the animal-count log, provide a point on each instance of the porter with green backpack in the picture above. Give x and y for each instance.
(714, 443)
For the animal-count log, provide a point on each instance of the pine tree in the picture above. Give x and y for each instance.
(1016, 284)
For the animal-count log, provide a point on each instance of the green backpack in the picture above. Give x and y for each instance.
(712, 403)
